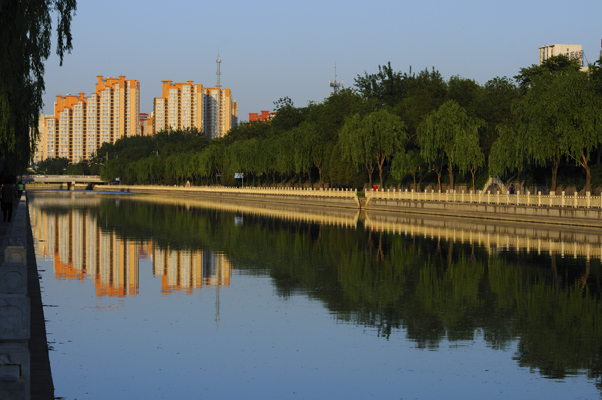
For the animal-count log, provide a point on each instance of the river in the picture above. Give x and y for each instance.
(154, 298)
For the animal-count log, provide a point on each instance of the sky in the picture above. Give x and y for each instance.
(275, 49)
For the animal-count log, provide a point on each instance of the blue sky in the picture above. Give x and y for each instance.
(272, 49)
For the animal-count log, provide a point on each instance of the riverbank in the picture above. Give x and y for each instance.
(578, 211)
(34, 366)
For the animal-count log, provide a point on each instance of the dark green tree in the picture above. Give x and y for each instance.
(25, 43)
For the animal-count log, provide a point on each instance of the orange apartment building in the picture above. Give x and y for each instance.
(192, 106)
(80, 125)
(179, 107)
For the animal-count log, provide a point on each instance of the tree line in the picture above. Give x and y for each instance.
(395, 128)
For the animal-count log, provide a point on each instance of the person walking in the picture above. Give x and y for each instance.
(8, 196)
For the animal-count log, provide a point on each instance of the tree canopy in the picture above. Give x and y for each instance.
(25, 43)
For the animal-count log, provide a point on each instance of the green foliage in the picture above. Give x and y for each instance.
(25, 43)
(373, 139)
(410, 126)
(52, 166)
(449, 136)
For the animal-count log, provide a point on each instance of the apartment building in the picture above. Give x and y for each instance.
(80, 125)
(192, 106)
(179, 107)
(572, 51)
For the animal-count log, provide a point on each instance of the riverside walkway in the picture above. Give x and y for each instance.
(40, 378)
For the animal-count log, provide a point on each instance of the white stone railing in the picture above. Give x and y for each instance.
(526, 199)
(278, 191)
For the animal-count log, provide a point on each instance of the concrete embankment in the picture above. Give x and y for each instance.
(315, 198)
(586, 212)
(24, 361)
(586, 217)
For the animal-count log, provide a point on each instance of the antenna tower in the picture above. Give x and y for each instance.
(334, 84)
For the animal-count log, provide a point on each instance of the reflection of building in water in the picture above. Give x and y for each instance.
(79, 248)
(190, 269)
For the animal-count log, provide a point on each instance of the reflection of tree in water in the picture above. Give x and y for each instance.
(434, 289)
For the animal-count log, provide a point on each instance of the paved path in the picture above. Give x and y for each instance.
(42, 387)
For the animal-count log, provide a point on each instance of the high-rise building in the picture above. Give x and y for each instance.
(572, 51)
(81, 125)
(221, 112)
(39, 153)
(179, 107)
(192, 106)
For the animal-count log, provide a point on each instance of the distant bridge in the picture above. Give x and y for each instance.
(62, 178)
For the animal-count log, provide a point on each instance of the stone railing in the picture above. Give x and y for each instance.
(15, 310)
(518, 199)
(279, 191)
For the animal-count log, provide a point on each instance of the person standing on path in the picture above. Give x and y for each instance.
(8, 195)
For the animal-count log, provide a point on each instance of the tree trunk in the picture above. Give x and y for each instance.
(555, 172)
(380, 163)
(588, 174)
(439, 172)
(473, 171)
(451, 177)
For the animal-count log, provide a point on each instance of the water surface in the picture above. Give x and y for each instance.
(175, 299)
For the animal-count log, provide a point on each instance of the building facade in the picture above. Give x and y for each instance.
(192, 106)
(81, 125)
(147, 127)
(572, 51)
(179, 107)
(264, 116)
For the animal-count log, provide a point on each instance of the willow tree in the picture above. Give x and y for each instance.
(576, 107)
(407, 163)
(448, 136)
(509, 152)
(25, 43)
(559, 117)
(376, 137)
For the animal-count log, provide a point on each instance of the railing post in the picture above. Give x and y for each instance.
(588, 202)
(575, 203)
(562, 202)
(539, 198)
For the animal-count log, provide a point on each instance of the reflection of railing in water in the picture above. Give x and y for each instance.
(495, 237)
(526, 199)
(326, 216)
